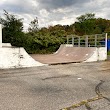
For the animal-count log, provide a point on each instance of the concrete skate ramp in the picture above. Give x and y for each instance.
(67, 55)
(16, 58)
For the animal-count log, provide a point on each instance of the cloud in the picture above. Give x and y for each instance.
(50, 12)
(64, 21)
(44, 13)
(17, 6)
(54, 4)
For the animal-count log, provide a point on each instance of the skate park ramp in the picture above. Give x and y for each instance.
(12, 57)
(68, 54)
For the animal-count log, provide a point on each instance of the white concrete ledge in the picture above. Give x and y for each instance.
(6, 44)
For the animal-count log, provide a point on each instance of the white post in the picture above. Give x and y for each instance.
(67, 39)
(0, 35)
(73, 41)
(86, 41)
(106, 40)
(78, 41)
(96, 40)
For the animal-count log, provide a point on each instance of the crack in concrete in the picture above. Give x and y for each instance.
(86, 102)
(83, 103)
(55, 77)
(88, 106)
(97, 88)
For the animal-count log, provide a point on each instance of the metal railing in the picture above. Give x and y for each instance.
(97, 40)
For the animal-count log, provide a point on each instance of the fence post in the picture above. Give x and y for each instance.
(73, 41)
(95, 40)
(86, 41)
(78, 41)
(106, 40)
(67, 39)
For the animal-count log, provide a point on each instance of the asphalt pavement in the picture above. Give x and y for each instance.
(56, 87)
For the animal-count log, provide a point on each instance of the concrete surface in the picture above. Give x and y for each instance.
(102, 53)
(12, 57)
(69, 54)
(55, 87)
(6, 45)
(16, 58)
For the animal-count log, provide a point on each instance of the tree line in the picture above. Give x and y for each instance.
(48, 39)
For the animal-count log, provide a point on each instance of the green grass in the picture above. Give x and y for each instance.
(108, 53)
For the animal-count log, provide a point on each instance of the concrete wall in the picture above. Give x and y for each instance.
(16, 58)
(100, 54)
(93, 57)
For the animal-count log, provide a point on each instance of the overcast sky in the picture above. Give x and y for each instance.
(52, 12)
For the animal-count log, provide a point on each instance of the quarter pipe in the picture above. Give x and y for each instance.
(69, 54)
(11, 57)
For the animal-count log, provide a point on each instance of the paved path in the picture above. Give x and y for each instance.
(55, 87)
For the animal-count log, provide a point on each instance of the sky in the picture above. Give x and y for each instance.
(52, 12)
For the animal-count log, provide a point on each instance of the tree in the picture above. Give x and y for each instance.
(86, 16)
(103, 24)
(12, 29)
(85, 24)
(33, 25)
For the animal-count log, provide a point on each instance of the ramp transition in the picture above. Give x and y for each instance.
(16, 58)
(68, 54)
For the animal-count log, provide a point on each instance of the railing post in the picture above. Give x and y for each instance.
(86, 41)
(73, 41)
(78, 41)
(106, 40)
(67, 40)
(95, 40)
